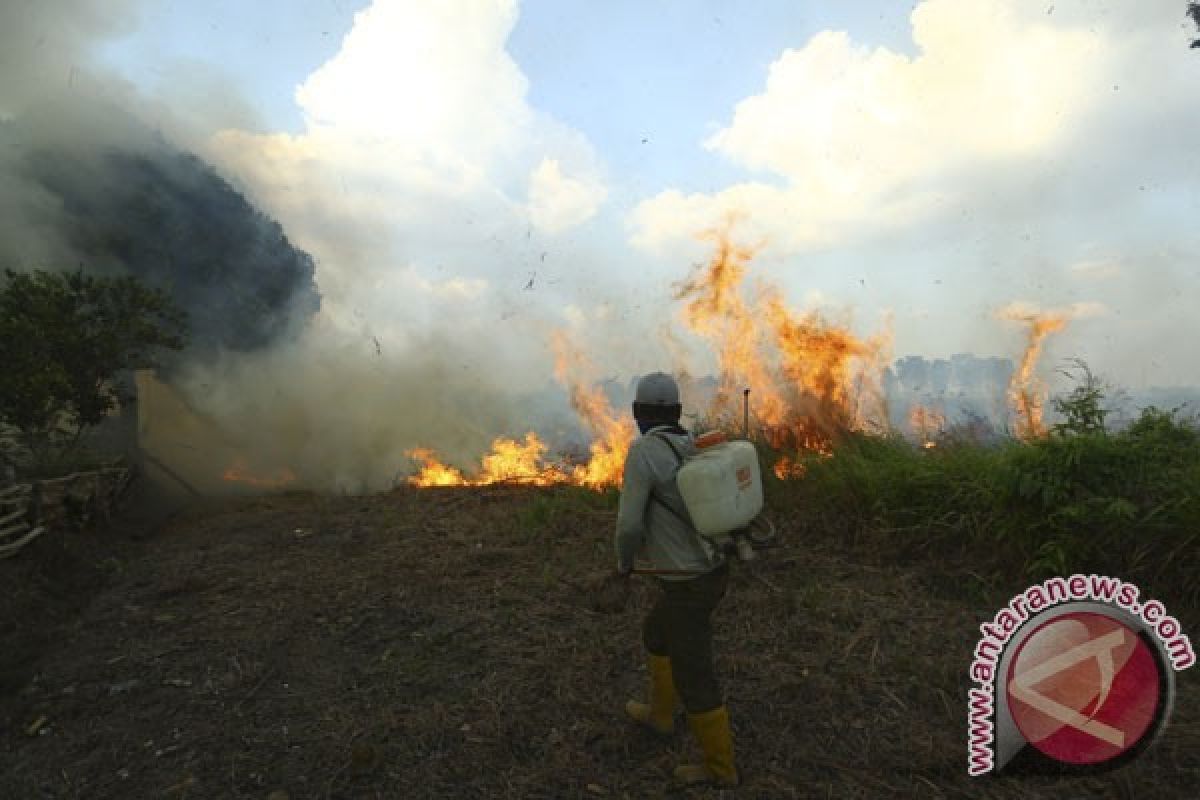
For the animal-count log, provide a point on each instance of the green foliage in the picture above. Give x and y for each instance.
(1082, 407)
(65, 339)
(1082, 498)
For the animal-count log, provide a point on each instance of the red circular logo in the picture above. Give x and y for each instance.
(1083, 688)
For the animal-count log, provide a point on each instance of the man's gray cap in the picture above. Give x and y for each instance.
(657, 389)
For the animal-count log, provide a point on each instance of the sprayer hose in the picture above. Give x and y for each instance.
(761, 530)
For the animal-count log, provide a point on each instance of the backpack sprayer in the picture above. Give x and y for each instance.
(722, 488)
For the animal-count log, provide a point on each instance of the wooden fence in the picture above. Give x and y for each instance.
(28, 510)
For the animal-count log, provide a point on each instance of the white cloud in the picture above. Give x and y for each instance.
(420, 148)
(840, 119)
(997, 159)
(1098, 269)
(558, 202)
(865, 138)
(407, 72)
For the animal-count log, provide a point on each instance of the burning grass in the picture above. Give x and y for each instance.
(812, 380)
(814, 384)
(1026, 392)
(508, 462)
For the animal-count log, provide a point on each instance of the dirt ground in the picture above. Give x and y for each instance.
(443, 644)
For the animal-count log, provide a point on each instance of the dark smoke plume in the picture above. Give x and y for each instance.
(94, 174)
(169, 219)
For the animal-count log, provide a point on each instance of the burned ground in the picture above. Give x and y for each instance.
(445, 643)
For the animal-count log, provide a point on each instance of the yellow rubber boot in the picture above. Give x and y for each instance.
(716, 742)
(659, 714)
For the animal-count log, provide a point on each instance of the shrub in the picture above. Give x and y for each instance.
(1078, 499)
(66, 337)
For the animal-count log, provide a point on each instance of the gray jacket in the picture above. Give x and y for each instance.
(645, 528)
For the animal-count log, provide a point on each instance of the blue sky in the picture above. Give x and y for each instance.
(645, 81)
(671, 76)
(264, 48)
(946, 164)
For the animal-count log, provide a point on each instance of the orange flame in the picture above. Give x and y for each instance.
(513, 461)
(1026, 393)
(811, 381)
(612, 433)
(509, 461)
(926, 423)
(433, 472)
(239, 472)
(787, 468)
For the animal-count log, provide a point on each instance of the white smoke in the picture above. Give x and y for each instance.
(1019, 153)
(422, 187)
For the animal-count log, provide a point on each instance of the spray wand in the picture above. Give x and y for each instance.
(746, 411)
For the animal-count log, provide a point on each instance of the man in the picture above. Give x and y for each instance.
(653, 522)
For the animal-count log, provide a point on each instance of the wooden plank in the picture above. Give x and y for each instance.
(60, 484)
(13, 530)
(12, 549)
(56, 483)
(95, 492)
(64, 479)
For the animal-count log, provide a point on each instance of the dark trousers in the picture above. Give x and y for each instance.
(679, 626)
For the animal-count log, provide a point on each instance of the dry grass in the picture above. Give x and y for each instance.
(443, 644)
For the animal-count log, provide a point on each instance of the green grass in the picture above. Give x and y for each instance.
(1081, 499)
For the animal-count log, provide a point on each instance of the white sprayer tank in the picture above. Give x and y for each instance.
(722, 487)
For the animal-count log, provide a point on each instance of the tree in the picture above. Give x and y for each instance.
(65, 338)
(1193, 11)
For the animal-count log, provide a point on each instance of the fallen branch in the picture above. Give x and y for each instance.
(13, 530)
(12, 549)
(15, 491)
(18, 514)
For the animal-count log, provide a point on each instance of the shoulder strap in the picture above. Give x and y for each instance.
(679, 463)
(670, 444)
(705, 545)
